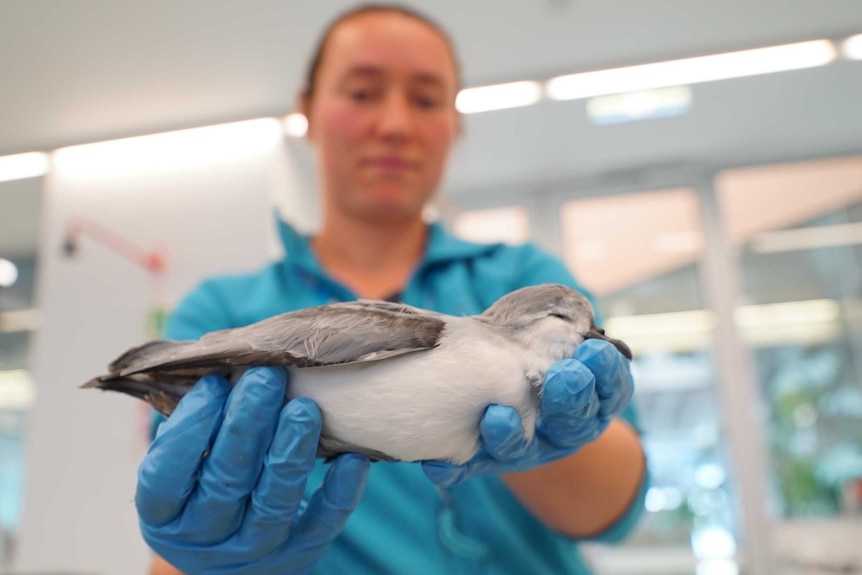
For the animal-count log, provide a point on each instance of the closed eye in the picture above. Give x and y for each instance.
(561, 316)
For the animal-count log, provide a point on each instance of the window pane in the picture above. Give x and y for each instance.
(639, 254)
(797, 234)
(798, 230)
(20, 207)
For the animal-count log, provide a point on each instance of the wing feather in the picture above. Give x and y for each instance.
(324, 335)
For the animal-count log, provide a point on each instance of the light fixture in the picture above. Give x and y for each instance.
(806, 322)
(807, 238)
(8, 273)
(164, 151)
(22, 166)
(295, 125)
(663, 324)
(498, 97)
(643, 105)
(784, 315)
(692, 70)
(851, 48)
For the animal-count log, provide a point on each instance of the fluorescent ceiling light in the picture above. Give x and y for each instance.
(21, 166)
(295, 125)
(777, 315)
(656, 325)
(802, 322)
(498, 97)
(169, 150)
(643, 105)
(807, 238)
(692, 70)
(8, 273)
(851, 48)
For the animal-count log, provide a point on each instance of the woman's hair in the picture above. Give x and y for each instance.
(311, 76)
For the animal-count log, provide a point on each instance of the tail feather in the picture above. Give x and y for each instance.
(159, 372)
(164, 397)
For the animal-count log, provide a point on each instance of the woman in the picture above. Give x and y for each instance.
(230, 484)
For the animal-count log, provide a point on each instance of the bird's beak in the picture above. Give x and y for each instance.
(599, 333)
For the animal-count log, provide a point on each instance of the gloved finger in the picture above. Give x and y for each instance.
(230, 472)
(502, 433)
(278, 496)
(169, 472)
(569, 404)
(614, 384)
(329, 508)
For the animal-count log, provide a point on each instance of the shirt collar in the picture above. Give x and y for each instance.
(442, 247)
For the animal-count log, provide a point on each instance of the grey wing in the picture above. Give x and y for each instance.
(324, 335)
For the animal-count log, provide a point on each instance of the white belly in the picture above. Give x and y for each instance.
(421, 405)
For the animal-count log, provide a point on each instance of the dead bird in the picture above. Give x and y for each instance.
(392, 381)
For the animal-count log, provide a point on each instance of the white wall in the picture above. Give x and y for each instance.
(210, 207)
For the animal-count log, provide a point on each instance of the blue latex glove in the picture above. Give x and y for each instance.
(579, 399)
(221, 488)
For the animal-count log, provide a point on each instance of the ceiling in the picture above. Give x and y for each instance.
(84, 71)
(90, 70)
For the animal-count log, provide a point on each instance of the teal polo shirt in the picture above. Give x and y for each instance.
(404, 524)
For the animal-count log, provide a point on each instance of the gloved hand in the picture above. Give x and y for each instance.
(221, 488)
(579, 398)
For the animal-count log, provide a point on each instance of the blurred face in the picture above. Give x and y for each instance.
(382, 116)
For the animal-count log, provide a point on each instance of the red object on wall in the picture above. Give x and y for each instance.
(153, 260)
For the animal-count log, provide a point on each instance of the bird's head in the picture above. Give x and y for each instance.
(550, 316)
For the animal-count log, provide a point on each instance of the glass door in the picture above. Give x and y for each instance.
(796, 236)
(640, 253)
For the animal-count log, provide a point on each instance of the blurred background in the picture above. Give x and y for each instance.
(714, 206)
